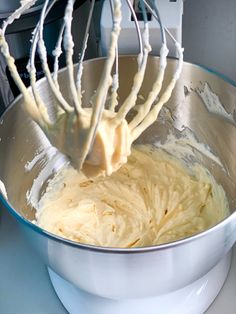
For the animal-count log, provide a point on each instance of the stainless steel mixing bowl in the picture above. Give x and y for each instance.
(138, 272)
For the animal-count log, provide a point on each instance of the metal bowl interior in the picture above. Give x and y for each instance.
(21, 141)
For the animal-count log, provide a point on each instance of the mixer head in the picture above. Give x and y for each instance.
(96, 139)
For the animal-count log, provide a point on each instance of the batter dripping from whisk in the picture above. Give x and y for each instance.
(96, 140)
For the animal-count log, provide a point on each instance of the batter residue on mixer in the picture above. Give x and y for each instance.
(153, 199)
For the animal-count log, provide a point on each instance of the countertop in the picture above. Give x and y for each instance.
(25, 287)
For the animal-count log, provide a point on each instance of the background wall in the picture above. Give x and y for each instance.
(209, 34)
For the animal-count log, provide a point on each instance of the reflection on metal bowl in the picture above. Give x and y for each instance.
(126, 273)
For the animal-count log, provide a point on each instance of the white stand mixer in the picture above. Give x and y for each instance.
(193, 299)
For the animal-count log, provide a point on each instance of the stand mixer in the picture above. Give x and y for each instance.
(193, 297)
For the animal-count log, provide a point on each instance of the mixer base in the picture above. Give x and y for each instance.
(194, 298)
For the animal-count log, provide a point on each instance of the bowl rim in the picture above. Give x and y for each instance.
(94, 248)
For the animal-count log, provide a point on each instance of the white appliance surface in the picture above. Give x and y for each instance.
(25, 287)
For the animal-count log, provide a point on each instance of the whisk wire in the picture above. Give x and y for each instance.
(104, 84)
(24, 5)
(38, 43)
(69, 48)
(32, 109)
(82, 54)
(131, 99)
(115, 80)
(57, 52)
(140, 41)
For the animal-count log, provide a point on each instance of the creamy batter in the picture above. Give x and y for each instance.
(152, 199)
